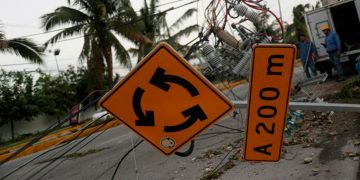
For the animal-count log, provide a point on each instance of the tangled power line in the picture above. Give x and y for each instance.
(220, 53)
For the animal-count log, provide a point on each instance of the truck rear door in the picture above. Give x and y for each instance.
(315, 20)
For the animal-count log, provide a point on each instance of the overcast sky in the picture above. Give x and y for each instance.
(21, 18)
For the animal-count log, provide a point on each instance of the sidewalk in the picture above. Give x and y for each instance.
(56, 138)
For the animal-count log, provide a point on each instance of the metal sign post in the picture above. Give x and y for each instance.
(312, 106)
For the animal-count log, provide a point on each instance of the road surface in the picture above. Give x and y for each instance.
(98, 159)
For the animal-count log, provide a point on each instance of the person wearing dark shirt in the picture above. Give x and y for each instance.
(333, 48)
(308, 54)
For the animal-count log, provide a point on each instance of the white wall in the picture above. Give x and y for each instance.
(39, 123)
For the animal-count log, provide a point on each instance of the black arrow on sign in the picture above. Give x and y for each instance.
(159, 80)
(194, 112)
(143, 119)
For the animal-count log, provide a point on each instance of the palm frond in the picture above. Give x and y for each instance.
(63, 15)
(125, 8)
(84, 4)
(120, 52)
(130, 31)
(184, 32)
(134, 52)
(71, 31)
(153, 6)
(3, 42)
(162, 23)
(25, 48)
(185, 16)
(2, 35)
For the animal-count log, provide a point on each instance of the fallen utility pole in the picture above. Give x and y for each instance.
(313, 106)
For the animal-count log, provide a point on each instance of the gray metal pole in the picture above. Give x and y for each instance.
(280, 12)
(313, 106)
(57, 64)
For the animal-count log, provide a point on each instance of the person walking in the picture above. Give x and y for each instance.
(308, 55)
(333, 48)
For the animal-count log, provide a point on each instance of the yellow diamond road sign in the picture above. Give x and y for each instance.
(166, 101)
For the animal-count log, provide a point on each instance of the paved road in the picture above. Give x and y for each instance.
(150, 163)
(146, 162)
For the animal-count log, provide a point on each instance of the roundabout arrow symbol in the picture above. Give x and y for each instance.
(160, 79)
(143, 119)
(194, 113)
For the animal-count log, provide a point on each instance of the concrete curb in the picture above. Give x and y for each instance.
(46, 138)
(56, 139)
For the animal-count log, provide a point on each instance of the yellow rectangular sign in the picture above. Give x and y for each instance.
(270, 83)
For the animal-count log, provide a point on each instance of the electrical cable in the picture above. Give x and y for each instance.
(181, 154)
(187, 152)
(226, 14)
(225, 127)
(64, 159)
(135, 162)
(55, 159)
(231, 91)
(256, 6)
(81, 141)
(132, 22)
(61, 144)
(60, 29)
(17, 64)
(124, 156)
(214, 134)
(109, 168)
(47, 131)
(223, 159)
(182, 47)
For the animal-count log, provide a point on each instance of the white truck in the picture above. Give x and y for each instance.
(343, 18)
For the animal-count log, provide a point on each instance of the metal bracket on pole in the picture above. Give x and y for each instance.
(313, 106)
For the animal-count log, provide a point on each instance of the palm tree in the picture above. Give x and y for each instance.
(155, 27)
(99, 21)
(22, 47)
(298, 25)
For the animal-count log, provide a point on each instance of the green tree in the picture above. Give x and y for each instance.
(155, 27)
(17, 100)
(298, 25)
(99, 21)
(50, 92)
(23, 47)
(22, 98)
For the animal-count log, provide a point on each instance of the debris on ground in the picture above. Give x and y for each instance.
(333, 133)
(356, 142)
(209, 154)
(74, 155)
(308, 160)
